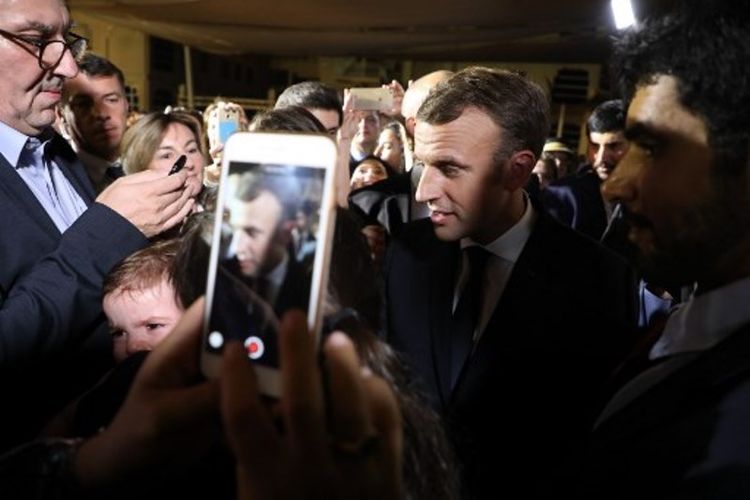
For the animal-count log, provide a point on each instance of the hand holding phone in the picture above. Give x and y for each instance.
(372, 99)
(178, 165)
(223, 121)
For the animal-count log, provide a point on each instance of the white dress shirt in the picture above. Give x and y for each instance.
(504, 252)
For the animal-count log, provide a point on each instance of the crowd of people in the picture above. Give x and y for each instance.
(500, 320)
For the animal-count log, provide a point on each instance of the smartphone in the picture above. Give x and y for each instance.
(253, 276)
(372, 99)
(224, 122)
(178, 165)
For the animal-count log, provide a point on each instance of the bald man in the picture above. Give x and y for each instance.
(416, 94)
(397, 196)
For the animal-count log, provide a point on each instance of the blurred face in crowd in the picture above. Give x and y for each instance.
(368, 172)
(96, 111)
(687, 219)
(606, 149)
(367, 131)
(28, 93)
(546, 170)
(390, 149)
(140, 319)
(256, 233)
(462, 183)
(179, 140)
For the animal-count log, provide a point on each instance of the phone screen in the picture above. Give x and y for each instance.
(267, 246)
(226, 128)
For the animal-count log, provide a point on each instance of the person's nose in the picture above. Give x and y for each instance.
(428, 187)
(190, 162)
(621, 185)
(600, 155)
(67, 67)
(101, 110)
(137, 343)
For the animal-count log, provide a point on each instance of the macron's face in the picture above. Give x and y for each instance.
(461, 182)
(140, 319)
(255, 229)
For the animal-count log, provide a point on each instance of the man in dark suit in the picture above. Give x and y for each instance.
(576, 200)
(681, 428)
(516, 378)
(56, 242)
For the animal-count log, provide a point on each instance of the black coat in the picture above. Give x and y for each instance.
(528, 396)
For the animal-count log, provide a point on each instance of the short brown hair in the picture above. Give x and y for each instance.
(144, 269)
(514, 103)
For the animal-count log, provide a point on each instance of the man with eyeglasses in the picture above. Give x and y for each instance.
(57, 241)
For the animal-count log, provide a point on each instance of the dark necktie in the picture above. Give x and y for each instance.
(466, 315)
(114, 171)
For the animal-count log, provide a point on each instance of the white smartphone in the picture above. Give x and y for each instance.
(371, 99)
(225, 120)
(254, 277)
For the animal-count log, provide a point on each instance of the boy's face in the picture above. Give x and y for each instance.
(140, 319)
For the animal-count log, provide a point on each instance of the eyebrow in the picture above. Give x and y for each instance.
(43, 29)
(172, 148)
(443, 162)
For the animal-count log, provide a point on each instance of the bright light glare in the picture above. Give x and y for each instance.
(623, 11)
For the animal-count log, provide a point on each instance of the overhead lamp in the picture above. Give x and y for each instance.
(623, 12)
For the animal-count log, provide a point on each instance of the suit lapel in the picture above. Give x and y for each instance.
(506, 321)
(442, 278)
(17, 190)
(65, 158)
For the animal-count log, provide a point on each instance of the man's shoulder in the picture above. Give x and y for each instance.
(557, 242)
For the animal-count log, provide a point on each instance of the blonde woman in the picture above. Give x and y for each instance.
(157, 140)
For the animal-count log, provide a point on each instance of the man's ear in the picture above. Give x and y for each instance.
(520, 165)
(284, 232)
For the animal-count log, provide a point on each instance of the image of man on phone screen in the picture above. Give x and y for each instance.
(262, 213)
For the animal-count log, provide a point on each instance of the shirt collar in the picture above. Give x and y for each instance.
(276, 276)
(100, 164)
(705, 320)
(509, 245)
(11, 143)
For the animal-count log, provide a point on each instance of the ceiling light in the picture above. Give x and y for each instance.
(623, 12)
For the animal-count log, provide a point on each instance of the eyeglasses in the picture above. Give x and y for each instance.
(50, 52)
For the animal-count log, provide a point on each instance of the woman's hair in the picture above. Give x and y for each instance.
(407, 158)
(429, 464)
(142, 139)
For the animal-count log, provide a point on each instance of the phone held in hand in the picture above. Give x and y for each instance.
(371, 99)
(271, 184)
(178, 165)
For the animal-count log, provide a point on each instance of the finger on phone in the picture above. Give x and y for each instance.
(349, 409)
(250, 430)
(303, 403)
(386, 417)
